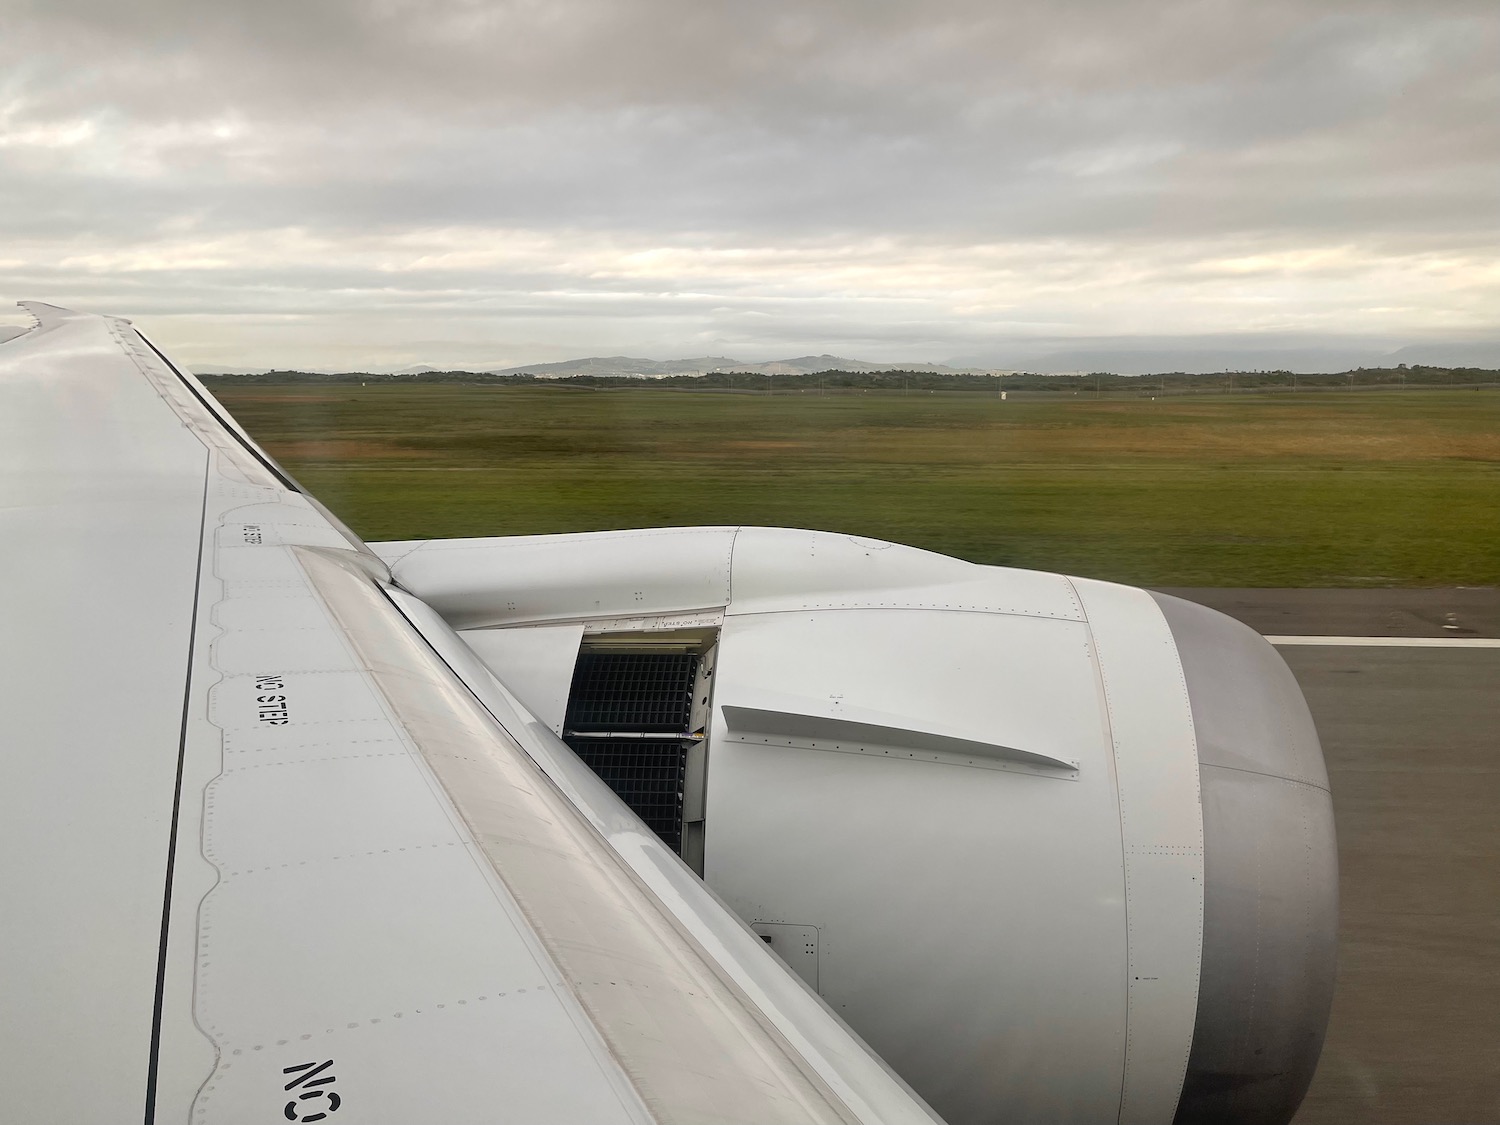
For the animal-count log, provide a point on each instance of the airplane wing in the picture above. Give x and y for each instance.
(277, 848)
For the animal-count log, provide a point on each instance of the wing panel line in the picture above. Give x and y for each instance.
(152, 1065)
(232, 430)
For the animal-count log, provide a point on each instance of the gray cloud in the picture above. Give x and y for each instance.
(917, 179)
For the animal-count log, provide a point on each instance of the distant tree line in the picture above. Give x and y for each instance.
(907, 382)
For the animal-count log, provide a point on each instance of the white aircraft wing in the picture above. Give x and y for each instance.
(276, 849)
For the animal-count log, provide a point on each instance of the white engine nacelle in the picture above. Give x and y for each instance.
(1059, 850)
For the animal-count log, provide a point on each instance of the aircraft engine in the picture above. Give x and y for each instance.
(1059, 850)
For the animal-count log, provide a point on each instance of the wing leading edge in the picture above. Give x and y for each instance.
(279, 858)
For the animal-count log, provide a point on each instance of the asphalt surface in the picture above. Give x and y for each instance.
(1412, 741)
(1462, 611)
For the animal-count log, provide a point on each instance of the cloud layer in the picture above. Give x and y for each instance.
(492, 183)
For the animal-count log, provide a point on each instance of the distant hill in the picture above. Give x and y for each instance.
(225, 369)
(632, 367)
(903, 382)
(810, 364)
(620, 366)
(1482, 355)
(1120, 357)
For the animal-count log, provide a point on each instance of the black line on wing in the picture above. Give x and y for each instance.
(166, 904)
(216, 412)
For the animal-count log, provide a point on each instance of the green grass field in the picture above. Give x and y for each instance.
(1324, 489)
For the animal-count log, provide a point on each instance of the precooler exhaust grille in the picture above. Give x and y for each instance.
(628, 716)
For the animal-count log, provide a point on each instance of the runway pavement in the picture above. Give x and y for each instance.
(1412, 740)
(1457, 612)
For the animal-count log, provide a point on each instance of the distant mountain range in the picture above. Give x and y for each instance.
(617, 365)
(1121, 356)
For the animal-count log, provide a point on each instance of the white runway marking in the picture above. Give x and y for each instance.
(1391, 642)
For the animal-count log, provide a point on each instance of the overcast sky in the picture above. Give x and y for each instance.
(320, 183)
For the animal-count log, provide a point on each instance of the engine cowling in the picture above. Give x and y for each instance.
(1271, 876)
(1059, 850)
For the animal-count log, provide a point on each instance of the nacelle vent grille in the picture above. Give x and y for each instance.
(628, 718)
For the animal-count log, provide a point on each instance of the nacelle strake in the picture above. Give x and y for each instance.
(1059, 850)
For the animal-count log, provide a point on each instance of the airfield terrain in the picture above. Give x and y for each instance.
(1295, 513)
(1377, 488)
